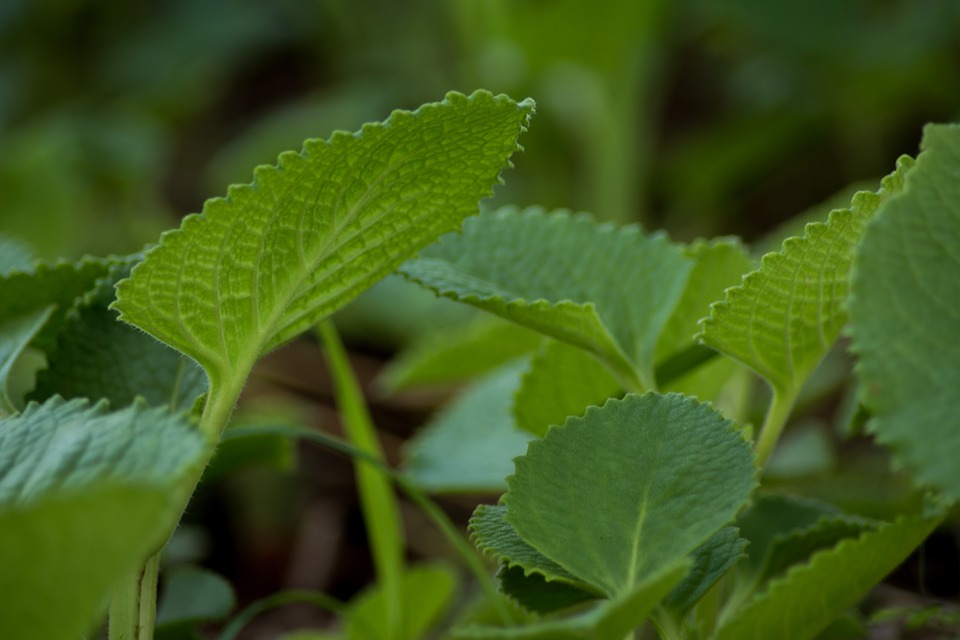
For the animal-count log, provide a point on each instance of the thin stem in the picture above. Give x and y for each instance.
(133, 608)
(320, 600)
(777, 414)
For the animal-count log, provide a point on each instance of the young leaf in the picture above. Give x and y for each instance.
(711, 561)
(601, 288)
(630, 487)
(784, 317)
(906, 318)
(562, 381)
(805, 600)
(470, 444)
(270, 260)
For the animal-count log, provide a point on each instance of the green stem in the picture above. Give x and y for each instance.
(133, 608)
(320, 600)
(780, 407)
(377, 499)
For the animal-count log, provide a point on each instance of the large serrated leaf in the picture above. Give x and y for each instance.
(561, 381)
(785, 316)
(273, 258)
(604, 289)
(470, 444)
(630, 487)
(805, 600)
(906, 316)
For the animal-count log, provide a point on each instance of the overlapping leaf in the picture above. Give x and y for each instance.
(906, 316)
(607, 290)
(272, 258)
(785, 316)
(711, 561)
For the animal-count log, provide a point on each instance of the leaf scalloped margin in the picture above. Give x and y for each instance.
(775, 260)
(249, 326)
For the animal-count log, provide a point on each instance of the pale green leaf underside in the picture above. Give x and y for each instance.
(62, 553)
(618, 494)
(604, 289)
(906, 316)
(785, 316)
(471, 443)
(805, 600)
(273, 258)
(561, 381)
(609, 620)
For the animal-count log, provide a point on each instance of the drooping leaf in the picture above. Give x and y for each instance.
(809, 596)
(535, 593)
(458, 354)
(607, 620)
(98, 357)
(561, 381)
(273, 258)
(14, 255)
(604, 289)
(85, 495)
(711, 561)
(192, 595)
(471, 443)
(785, 316)
(906, 316)
(630, 487)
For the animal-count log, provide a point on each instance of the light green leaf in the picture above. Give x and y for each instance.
(98, 357)
(192, 595)
(711, 561)
(630, 487)
(275, 257)
(784, 317)
(15, 335)
(561, 381)
(535, 593)
(611, 619)
(808, 597)
(14, 255)
(906, 316)
(471, 443)
(457, 354)
(427, 592)
(604, 289)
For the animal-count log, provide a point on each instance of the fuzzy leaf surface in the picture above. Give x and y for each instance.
(605, 289)
(785, 316)
(562, 381)
(808, 597)
(906, 316)
(630, 487)
(471, 443)
(273, 258)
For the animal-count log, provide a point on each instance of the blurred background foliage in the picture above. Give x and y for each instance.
(700, 117)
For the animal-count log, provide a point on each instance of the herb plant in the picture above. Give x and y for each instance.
(641, 501)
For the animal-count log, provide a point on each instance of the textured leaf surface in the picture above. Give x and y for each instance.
(459, 354)
(611, 619)
(273, 258)
(806, 599)
(470, 444)
(535, 593)
(711, 561)
(604, 289)
(906, 316)
(98, 357)
(562, 381)
(630, 487)
(784, 317)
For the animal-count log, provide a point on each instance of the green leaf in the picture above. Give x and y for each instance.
(808, 597)
(630, 487)
(711, 561)
(98, 357)
(562, 381)
(85, 496)
(785, 316)
(273, 258)
(471, 443)
(457, 354)
(14, 255)
(535, 593)
(604, 289)
(15, 335)
(428, 591)
(906, 320)
(611, 619)
(192, 595)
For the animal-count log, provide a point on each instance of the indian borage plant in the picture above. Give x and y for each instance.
(90, 490)
(633, 509)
